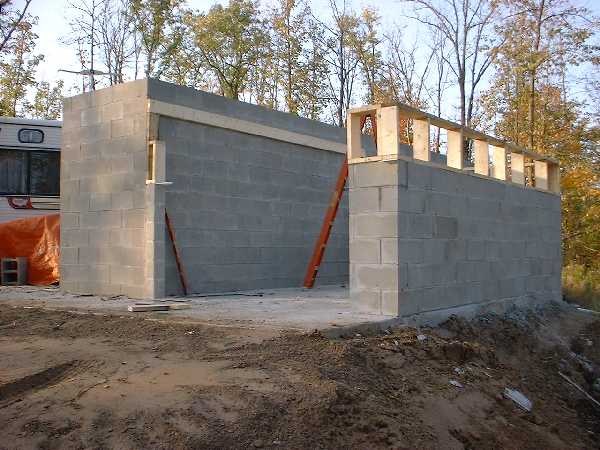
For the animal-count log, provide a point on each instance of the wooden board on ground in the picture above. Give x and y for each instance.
(157, 307)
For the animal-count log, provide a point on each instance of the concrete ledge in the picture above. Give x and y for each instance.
(440, 165)
(243, 126)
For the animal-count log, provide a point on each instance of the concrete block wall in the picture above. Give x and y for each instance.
(425, 238)
(247, 209)
(103, 191)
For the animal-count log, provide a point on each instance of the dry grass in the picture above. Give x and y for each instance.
(582, 286)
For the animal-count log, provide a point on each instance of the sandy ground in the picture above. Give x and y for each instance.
(297, 309)
(70, 381)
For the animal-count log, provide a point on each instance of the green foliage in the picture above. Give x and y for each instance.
(157, 22)
(18, 66)
(529, 104)
(47, 103)
(582, 285)
(231, 40)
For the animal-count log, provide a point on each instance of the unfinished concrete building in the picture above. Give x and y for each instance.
(246, 188)
(428, 236)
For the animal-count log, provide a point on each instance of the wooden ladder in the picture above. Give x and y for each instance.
(332, 209)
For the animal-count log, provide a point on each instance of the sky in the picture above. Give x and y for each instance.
(53, 27)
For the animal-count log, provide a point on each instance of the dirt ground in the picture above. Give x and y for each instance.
(73, 381)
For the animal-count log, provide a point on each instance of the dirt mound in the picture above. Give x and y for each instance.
(160, 385)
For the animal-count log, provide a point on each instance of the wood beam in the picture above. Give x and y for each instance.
(482, 157)
(421, 139)
(517, 168)
(456, 149)
(388, 131)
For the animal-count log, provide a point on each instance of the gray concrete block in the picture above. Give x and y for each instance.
(100, 202)
(411, 251)
(376, 225)
(410, 301)
(411, 200)
(366, 251)
(389, 251)
(419, 176)
(377, 276)
(367, 300)
(419, 225)
(378, 173)
(476, 250)
(69, 221)
(122, 200)
(390, 303)
(445, 227)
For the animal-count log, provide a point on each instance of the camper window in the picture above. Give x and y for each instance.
(30, 136)
(13, 172)
(29, 172)
(44, 173)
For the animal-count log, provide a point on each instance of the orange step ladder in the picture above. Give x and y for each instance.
(332, 209)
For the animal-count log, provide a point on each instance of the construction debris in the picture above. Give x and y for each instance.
(519, 399)
(580, 389)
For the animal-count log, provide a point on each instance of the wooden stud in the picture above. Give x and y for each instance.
(517, 168)
(421, 139)
(499, 160)
(354, 136)
(456, 149)
(554, 178)
(482, 157)
(388, 131)
(540, 170)
(157, 161)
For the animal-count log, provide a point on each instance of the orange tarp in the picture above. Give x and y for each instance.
(37, 238)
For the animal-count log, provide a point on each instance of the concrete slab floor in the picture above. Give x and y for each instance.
(326, 308)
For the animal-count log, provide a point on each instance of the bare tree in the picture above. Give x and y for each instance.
(464, 25)
(115, 26)
(85, 34)
(340, 56)
(406, 78)
(440, 69)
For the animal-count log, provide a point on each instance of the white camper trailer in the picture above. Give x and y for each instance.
(29, 167)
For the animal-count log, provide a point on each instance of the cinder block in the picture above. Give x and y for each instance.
(410, 301)
(411, 251)
(419, 225)
(376, 225)
(475, 250)
(377, 276)
(89, 117)
(366, 300)
(445, 227)
(134, 218)
(419, 176)
(390, 303)
(100, 202)
(122, 200)
(375, 174)
(410, 200)
(69, 220)
(427, 275)
(69, 255)
(389, 251)
(74, 238)
(365, 251)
